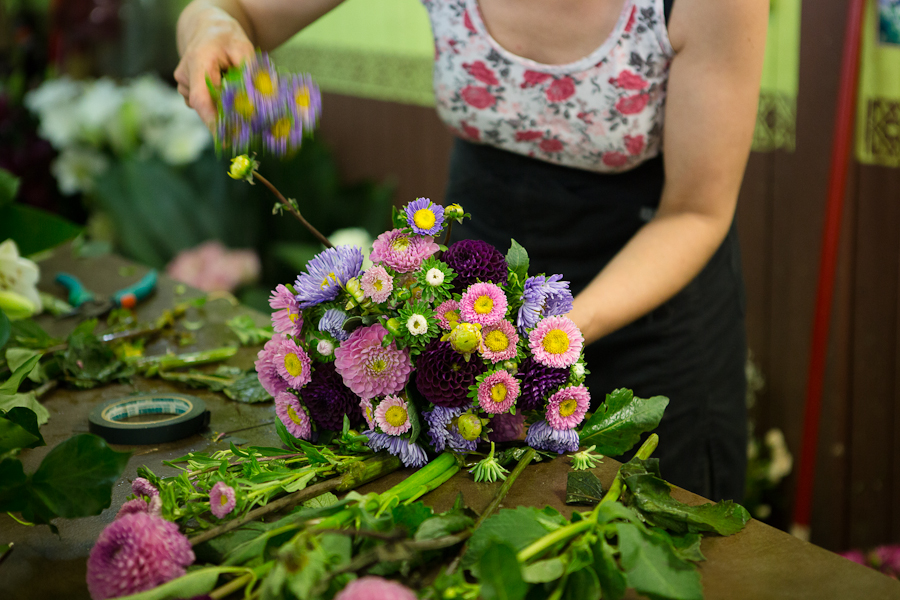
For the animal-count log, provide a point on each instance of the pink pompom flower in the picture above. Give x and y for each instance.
(375, 588)
(286, 318)
(211, 267)
(448, 314)
(556, 342)
(142, 487)
(293, 415)
(221, 499)
(266, 366)
(401, 251)
(498, 392)
(377, 284)
(483, 303)
(498, 342)
(370, 369)
(392, 415)
(293, 364)
(567, 407)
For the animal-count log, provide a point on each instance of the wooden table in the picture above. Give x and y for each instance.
(759, 563)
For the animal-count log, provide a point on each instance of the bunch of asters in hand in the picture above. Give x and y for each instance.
(258, 106)
(431, 347)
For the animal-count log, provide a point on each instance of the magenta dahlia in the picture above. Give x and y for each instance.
(327, 399)
(401, 251)
(443, 375)
(475, 260)
(370, 369)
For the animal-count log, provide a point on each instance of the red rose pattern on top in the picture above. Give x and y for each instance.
(602, 113)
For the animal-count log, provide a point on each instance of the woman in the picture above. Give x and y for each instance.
(608, 137)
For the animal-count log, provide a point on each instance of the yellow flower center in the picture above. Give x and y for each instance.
(400, 244)
(293, 316)
(378, 285)
(281, 129)
(484, 305)
(293, 365)
(326, 281)
(302, 97)
(424, 218)
(496, 341)
(294, 416)
(452, 317)
(264, 84)
(223, 500)
(568, 407)
(369, 415)
(242, 105)
(395, 416)
(556, 341)
(498, 392)
(377, 366)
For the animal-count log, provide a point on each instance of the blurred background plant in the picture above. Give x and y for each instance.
(95, 132)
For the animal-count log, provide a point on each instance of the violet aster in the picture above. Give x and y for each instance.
(541, 436)
(238, 107)
(475, 260)
(326, 274)
(293, 363)
(369, 368)
(497, 392)
(411, 454)
(498, 342)
(377, 284)
(332, 322)
(506, 427)
(327, 399)
(424, 216)
(375, 588)
(567, 407)
(135, 553)
(443, 431)
(543, 297)
(401, 251)
(538, 381)
(483, 303)
(293, 416)
(556, 342)
(392, 415)
(448, 314)
(286, 315)
(234, 133)
(443, 375)
(261, 82)
(267, 369)
(283, 136)
(304, 98)
(221, 499)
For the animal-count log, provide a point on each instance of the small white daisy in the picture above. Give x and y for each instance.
(434, 277)
(417, 325)
(325, 348)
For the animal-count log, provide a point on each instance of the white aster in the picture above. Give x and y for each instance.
(325, 348)
(417, 325)
(434, 277)
(77, 168)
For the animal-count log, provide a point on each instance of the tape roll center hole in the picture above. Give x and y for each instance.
(147, 411)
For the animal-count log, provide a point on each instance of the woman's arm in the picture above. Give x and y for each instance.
(710, 114)
(213, 35)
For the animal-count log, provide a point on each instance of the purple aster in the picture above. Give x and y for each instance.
(286, 318)
(375, 588)
(332, 322)
(142, 487)
(369, 368)
(400, 251)
(424, 216)
(293, 415)
(136, 553)
(267, 369)
(326, 275)
(261, 81)
(221, 499)
(475, 260)
(537, 382)
(543, 297)
(327, 399)
(283, 135)
(443, 375)
(235, 133)
(483, 303)
(443, 431)
(411, 455)
(304, 99)
(541, 436)
(507, 427)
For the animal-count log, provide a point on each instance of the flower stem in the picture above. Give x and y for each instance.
(292, 209)
(618, 484)
(232, 586)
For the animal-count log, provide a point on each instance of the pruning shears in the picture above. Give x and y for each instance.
(87, 305)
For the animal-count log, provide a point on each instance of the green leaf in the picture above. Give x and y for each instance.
(29, 334)
(9, 187)
(501, 574)
(685, 546)
(651, 495)
(517, 527)
(4, 329)
(195, 583)
(16, 357)
(87, 362)
(33, 229)
(582, 585)
(11, 385)
(29, 401)
(247, 389)
(617, 425)
(543, 571)
(13, 489)
(443, 525)
(612, 580)
(247, 331)
(653, 569)
(75, 479)
(26, 420)
(583, 487)
(410, 516)
(517, 260)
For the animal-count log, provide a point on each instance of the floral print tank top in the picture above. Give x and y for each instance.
(601, 113)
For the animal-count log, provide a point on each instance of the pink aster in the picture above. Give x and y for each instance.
(556, 342)
(371, 587)
(368, 368)
(293, 364)
(368, 412)
(136, 552)
(392, 415)
(286, 317)
(567, 407)
(498, 392)
(142, 487)
(266, 367)
(402, 252)
(377, 284)
(293, 415)
(448, 314)
(483, 303)
(221, 499)
(498, 342)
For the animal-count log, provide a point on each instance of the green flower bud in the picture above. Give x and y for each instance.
(466, 337)
(454, 211)
(393, 326)
(354, 288)
(242, 167)
(16, 306)
(469, 426)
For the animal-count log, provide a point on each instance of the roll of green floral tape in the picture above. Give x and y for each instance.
(179, 415)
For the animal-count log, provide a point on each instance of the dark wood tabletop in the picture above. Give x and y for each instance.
(759, 563)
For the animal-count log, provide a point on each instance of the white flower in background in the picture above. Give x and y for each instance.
(19, 297)
(182, 141)
(77, 168)
(55, 103)
(354, 236)
(782, 461)
(98, 107)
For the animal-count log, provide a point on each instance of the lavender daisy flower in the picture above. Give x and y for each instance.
(326, 274)
(234, 133)
(237, 107)
(400, 251)
(375, 588)
(286, 315)
(411, 455)
(267, 369)
(543, 297)
(369, 368)
(221, 499)
(538, 381)
(261, 81)
(443, 431)
(327, 399)
(293, 416)
(542, 436)
(283, 136)
(475, 260)
(136, 553)
(443, 375)
(424, 216)
(304, 99)
(332, 322)
(142, 487)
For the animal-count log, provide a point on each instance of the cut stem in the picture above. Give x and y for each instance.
(618, 484)
(292, 209)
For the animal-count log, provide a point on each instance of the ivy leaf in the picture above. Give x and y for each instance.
(13, 489)
(517, 527)
(617, 425)
(653, 569)
(11, 385)
(247, 389)
(501, 574)
(75, 479)
(16, 427)
(583, 487)
(517, 260)
(29, 401)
